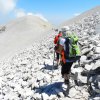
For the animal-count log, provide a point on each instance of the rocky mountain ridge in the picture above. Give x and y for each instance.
(82, 16)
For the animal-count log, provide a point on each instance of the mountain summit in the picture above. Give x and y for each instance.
(21, 33)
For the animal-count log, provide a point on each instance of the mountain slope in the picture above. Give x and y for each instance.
(21, 33)
(79, 18)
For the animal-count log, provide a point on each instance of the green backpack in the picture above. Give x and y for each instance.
(72, 49)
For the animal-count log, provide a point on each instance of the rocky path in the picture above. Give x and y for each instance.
(29, 76)
(98, 28)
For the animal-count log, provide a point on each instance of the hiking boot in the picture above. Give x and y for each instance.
(66, 82)
(56, 66)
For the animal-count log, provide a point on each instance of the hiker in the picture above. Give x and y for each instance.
(66, 66)
(68, 52)
(56, 40)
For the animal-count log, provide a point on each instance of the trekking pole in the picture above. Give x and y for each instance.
(53, 65)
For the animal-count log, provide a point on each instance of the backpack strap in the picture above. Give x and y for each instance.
(67, 47)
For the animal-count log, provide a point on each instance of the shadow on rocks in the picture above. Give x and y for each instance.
(49, 67)
(88, 74)
(93, 79)
(53, 89)
(91, 72)
(49, 89)
(79, 83)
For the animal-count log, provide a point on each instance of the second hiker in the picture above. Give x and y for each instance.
(69, 50)
(56, 42)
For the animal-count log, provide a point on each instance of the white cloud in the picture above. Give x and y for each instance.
(29, 13)
(21, 13)
(7, 6)
(76, 14)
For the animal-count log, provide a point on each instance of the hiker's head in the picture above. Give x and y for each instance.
(64, 29)
(56, 30)
(60, 33)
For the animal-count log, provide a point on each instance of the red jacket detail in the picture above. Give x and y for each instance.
(57, 38)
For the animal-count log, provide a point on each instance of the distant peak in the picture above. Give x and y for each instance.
(41, 17)
(38, 15)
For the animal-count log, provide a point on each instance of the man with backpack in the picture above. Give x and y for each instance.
(69, 51)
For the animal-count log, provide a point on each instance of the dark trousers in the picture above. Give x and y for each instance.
(57, 56)
(66, 68)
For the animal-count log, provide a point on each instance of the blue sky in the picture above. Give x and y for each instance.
(55, 11)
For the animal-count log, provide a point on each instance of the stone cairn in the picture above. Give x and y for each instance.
(30, 75)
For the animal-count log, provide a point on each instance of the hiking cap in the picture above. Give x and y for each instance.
(65, 31)
(65, 28)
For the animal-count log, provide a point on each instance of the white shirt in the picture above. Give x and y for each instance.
(62, 41)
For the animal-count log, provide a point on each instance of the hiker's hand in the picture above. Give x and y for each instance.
(60, 62)
(55, 48)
